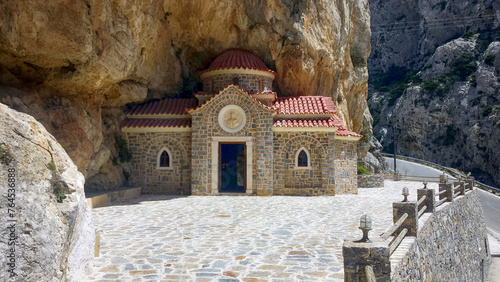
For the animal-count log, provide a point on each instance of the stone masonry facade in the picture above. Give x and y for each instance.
(258, 128)
(346, 167)
(239, 107)
(145, 148)
(252, 83)
(451, 246)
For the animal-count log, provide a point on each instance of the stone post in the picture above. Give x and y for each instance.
(449, 191)
(397, 176)
(400, 208)
(443, 178)
(461, 187)
(358, 255)
(429, 200)
(469, 183)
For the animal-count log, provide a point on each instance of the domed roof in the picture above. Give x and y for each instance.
(238, 59)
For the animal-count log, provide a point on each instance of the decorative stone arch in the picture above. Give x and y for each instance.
(169, 142)
(170, 159)
(308, 158)
(311, 140)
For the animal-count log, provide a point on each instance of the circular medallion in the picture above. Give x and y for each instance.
(232, 118)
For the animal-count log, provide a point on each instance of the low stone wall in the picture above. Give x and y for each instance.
(451, 245)
(371, 181)
(303, 192)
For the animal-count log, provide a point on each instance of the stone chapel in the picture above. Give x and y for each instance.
(239, 137)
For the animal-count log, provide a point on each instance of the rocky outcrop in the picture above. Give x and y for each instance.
(406, 33)
(48, 240)
(452, 116)
(92, 57)
(434, 80)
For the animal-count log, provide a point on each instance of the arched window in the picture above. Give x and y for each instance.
(236, 80)
(302, 158)
(164, 159)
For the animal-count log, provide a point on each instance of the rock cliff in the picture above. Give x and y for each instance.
(41, 238)
(434, 75)
(73, 64)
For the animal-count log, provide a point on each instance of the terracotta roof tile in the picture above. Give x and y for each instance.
(238, 59)
(304, 123)
(156, 122)
(342, 131)
(171, 106)
(304, 105)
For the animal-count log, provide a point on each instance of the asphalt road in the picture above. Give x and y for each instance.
(414, 169)
(491, 209)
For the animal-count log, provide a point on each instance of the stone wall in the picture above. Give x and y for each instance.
(346, 177)
(316, 180)
(205, 127)
(371, 181)
(145, 148)
(450, 246)
(248, 82)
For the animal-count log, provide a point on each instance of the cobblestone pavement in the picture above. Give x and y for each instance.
(207, 238)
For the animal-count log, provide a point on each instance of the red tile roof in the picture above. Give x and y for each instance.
(156, 122)
(169, 106)
(304, 105)
(304, 123)
(238, 59)
(342, 131)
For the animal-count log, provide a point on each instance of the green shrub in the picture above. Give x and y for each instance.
(357, 58)
(5, 155)
(363, 170)
(121, 147)
(51, 165)
(490, 60)
(430, 85)
(464, 65)
(60, 195)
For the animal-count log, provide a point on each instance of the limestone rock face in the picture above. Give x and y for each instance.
(407, 32)
(434, 78)
(449, 118)
(99, 54)
(55, 241)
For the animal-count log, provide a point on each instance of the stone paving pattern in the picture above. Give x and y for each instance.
(206, 238)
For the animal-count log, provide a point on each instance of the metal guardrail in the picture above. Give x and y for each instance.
(447, 169)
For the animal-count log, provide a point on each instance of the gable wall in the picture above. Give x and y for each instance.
(258, 126)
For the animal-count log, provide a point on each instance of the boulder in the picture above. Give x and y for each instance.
(54, 240)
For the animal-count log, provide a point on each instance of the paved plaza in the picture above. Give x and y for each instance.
(233, 238)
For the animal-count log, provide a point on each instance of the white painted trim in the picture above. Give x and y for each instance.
(170, 157)
(248, 140)
(304, 129)
(237, 71)
(296, 161)
(347, 138)
(155, 129)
